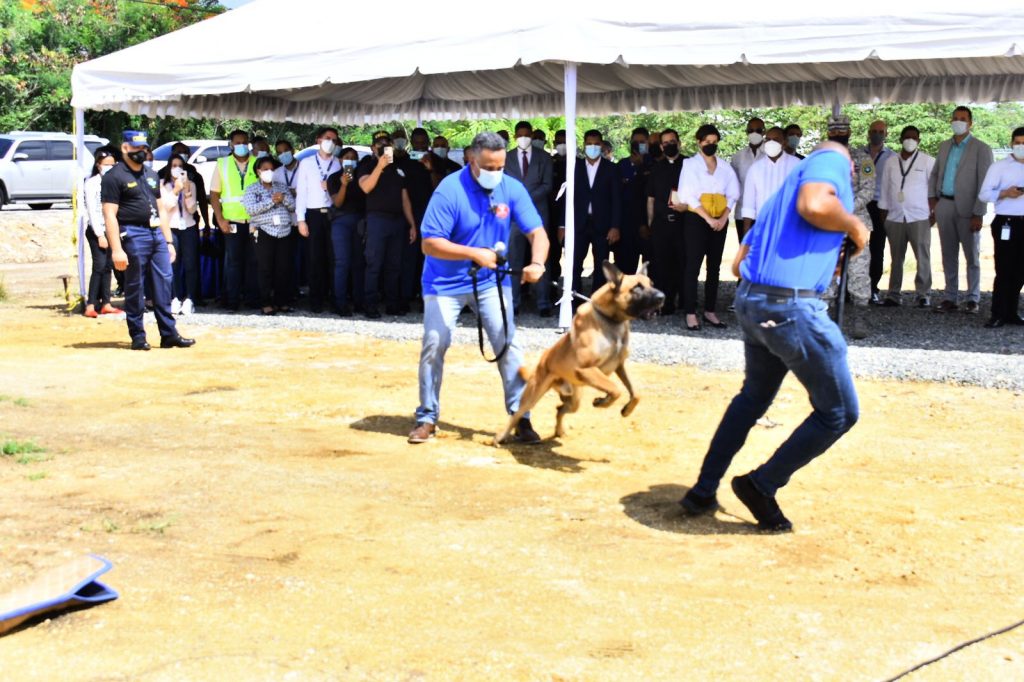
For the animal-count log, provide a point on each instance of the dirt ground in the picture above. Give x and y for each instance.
(267, 521)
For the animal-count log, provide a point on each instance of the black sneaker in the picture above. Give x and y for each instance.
(764, 507)
(695, 504)
(876, 298)
(525, 433)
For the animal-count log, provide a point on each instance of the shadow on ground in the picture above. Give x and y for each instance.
(658, 508)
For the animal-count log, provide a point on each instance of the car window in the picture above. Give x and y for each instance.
(4, 146)
(93, 146)
(36, 150)
(214, 153)
(61, 151)
(163, 152)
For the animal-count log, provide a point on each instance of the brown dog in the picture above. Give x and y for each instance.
(597, 345)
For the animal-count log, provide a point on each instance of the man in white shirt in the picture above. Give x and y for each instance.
(1004, 186)
(765, 177)
(312, 204)
(907, 217)
(744, 159)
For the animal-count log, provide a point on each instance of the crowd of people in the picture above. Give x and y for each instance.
(345, 233)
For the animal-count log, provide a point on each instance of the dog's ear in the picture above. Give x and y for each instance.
(643, 268)
(612, 273)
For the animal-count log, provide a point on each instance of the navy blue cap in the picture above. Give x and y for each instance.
(136, 138)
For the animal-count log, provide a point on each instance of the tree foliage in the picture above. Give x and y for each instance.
(41, 41)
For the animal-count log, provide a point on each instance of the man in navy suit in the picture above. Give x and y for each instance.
(598, 209)
(534, 170)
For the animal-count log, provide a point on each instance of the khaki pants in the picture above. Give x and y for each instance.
(954, 233)
(919, 236)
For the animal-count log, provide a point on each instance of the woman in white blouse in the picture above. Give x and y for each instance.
(709, 188)
(96, 235)
(179, 196)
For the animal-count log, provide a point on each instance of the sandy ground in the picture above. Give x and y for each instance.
(268, 521)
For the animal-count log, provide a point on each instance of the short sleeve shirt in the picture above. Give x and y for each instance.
(135, 192)
(785, 249)
(386, 197)
(355, 200)
(462, 212)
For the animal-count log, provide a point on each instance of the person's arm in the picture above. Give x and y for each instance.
(204, 200)
(301, 192)
(338, 198)
(819, 205)
(539, 246)
(253, 203)
(750, 194)
(886, 196)
(984, 164)
(740, 255)
(682, 190)
(615, 190)
(933, 183)
(439, 247)
(94, 209)
(409, 218)
(368, 182)
(120, 258)
(191, 200)
(650, 211)
(286, 196)
(165, 229)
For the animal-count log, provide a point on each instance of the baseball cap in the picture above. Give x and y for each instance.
(840, 122)
(381, 134)
(136, 138)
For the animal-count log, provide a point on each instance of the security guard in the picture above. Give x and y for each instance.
(139, 234)
(858, 280)
(235, 173)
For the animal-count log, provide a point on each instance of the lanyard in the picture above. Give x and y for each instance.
(287, 179)
(905, 173)
(241, 174)
(330, 167)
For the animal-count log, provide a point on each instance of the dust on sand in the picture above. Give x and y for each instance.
(267, 520)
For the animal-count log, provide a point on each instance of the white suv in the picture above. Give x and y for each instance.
(39, 168)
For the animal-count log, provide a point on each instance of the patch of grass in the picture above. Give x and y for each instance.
(157, 526)
(22, 402)
(4, 397)
(37, 476)
(4, 294)
(24, 447)
(110, 525)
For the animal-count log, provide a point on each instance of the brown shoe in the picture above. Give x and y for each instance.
(946, 307)
(525, 433)
(422, 433)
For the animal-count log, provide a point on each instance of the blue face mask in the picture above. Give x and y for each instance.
(348, 163)
(592, 151)
(286, 158)
(538, 144)
(490, 179)
(261, 154)
(241, 150)
(794, 141)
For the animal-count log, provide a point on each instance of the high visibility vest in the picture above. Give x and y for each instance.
(232, 187)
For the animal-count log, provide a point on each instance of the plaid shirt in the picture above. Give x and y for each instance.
(262, 210)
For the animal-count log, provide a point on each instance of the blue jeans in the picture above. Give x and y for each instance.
(805, 341)
(343, 234)
(186, 264)
(440, 314)
(147, 252)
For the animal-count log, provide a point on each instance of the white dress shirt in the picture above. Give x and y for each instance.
(180, 209)
(309, 193)
(764, 178)
(914, 207)
(695, 180)
(741, 163)
(591, 174)
(1002, 175)
(93, 206)
(290, 179)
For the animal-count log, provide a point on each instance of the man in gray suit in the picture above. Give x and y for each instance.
(960, 168)
(534, 169)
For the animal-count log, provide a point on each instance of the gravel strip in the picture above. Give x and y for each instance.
(905, 344)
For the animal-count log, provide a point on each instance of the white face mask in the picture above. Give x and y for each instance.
(560, 149)
(267, 176)
(755, 138)
(772, 148)
(524, 142)
(401, 143)
(441, 151)
(327, 145)
(910, 145)
(959, 127)
(490, 179)
(537, 144)
(177, 173)
(105, 169)
(1018, 152)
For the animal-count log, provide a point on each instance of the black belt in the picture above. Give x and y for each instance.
(146, 227)
(769, 290)
(947, 196)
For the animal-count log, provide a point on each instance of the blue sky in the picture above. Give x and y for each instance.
(233, 3)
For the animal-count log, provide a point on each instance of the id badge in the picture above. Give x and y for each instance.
(154, 221)
(900, 197)
(233, 229)
(1005, 234)
(277, 221)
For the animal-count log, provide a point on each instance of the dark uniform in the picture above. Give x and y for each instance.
(386, 234)
(554, 264)
(630, 247)
(668, 249)
(348, 233)
(136, 194)
(420, 186)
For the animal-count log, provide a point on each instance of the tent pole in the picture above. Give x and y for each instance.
(79, 211)
(565, 308)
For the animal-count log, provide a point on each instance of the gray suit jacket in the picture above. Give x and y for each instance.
(539, 176)
(974, 163)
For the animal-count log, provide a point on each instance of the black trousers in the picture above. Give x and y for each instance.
(318, 261)
(587, 239)
(1009, 256)
(701, 243)
(627, 249)
(275, 260)
(876, 245)
(386, 236)
(668, 257)
(102, 264)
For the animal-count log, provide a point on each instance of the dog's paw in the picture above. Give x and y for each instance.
(630, 406)
(605, 400)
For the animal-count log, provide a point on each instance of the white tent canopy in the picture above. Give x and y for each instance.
(354, 63)
(357, 63)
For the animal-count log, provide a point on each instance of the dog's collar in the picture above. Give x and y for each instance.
(606, 316)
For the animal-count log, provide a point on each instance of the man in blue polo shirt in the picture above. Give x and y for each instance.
(786, 262)
(468, 215)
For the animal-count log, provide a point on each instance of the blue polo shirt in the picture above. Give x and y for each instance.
(785, 249)
(956, 151)
(462, 212)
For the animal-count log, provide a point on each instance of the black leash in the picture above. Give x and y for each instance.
(955, 649)
(843, 281)
(500, 273)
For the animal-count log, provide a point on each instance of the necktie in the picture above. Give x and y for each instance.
(526, 165)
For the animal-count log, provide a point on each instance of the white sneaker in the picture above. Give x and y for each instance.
(187, 307)
(175, 306)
